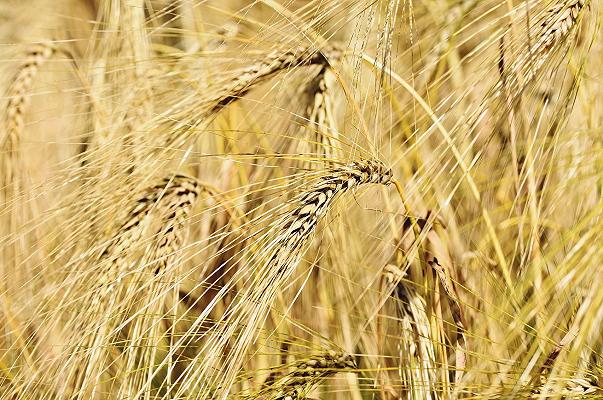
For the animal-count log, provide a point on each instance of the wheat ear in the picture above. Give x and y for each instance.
(145, 244)
(558, 22)
(273, 63)
(12, 169)
(568, 388)
(244, 80)
(18, 98)
(305, 376)
(158, 214)
(19, 91)
(320, 114)
(418, 361)
(290, 233)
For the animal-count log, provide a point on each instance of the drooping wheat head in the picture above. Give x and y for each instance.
(122, 291)
(304, 376)
(288, 235)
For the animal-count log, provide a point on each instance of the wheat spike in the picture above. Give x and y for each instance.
(13, 191)
(244, 80)
(558, 22)
(19, 91)
(290, 232)
(18, 99)
(305, 376)
(274, 62)
(418, 364)
(320, 114)
(162, 208)
(146, 244)
(568, 388)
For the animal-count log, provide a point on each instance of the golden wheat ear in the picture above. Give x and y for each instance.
(19, 91)
(418, 367)
(132, 273)
(15, 196)
(306, 375)
(159, 215)
(18, 95)
(227, 343)
(242, 81)
(274, 62)
(552, 34)
(557, 23)
(320, 116)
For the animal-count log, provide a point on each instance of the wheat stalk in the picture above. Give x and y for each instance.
(130, 89)
(146, 244)
(457, 315)
(159, 215)
(291, 232)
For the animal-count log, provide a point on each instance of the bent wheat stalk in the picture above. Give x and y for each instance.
(555, 27)
(227, 343)
(146, 245)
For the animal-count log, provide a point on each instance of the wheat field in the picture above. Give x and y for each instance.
(301, 199)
